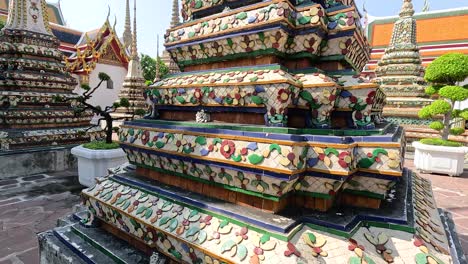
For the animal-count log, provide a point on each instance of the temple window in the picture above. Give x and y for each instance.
(110, 84)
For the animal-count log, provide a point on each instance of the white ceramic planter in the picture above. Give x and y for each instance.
(439, 159)
(93, 164)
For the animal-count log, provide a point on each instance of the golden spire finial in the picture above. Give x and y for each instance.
(108, 14)
(407, 9)
(127, 35)
(115, 23)
(175, 21)
(134, 40)
(157, 60)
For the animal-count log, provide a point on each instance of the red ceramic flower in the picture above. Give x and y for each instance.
(309, 45)
(227, 148)
(198, 94)
(353, 244)
(345, 159)
(145, 137)
(283, 95)
(275, 39)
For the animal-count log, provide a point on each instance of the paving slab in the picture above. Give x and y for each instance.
(32, 208)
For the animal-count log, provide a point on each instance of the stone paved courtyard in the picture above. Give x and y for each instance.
(30, 205)
(33, 204)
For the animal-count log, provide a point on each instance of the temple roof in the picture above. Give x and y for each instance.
(94, 46)
(65, 34)
(438, 32)
(71, 39)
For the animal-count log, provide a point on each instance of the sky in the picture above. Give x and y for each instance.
(153, 16)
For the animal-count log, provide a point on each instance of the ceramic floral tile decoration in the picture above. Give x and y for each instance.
(269, 147)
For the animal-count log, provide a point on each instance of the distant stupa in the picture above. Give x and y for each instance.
(32, 75)
(175, 21)
(401, 74)
(134, 83)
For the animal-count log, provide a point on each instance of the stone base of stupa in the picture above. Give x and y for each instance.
(30, 152)
(27, 162)
(408, 228)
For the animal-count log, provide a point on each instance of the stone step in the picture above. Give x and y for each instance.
(118, 249)
(81, 248)
(93, 245)
(53, 251)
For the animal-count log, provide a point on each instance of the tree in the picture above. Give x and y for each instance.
(148, 65)
(105, 114)
(445, 73)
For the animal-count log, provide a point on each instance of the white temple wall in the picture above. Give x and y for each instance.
(103, 95)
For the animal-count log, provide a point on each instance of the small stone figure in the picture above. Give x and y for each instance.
(157, 259)
(202, 117)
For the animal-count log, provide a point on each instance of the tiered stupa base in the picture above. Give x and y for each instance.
(190, 228)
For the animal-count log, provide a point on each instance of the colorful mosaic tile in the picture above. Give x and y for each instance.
(182, 231)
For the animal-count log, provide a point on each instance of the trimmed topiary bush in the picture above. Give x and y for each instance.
(444, 74)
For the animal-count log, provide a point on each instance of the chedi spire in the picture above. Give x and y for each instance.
(134, 83)
(134, 37)
(175, 21)
(407, 9)
(400, 73)
(127, 35)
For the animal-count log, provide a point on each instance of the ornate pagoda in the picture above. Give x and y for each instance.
(166, 57)
(268, 148)
(134, 83)
(32, 75)
(401, 74)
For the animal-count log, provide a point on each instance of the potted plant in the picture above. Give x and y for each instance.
(95, 158)
(441, 155)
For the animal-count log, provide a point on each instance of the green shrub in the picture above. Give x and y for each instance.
(124, 102)
(440, 142)
(140, 112)
(85, 87)
(437, 125)
(103, 76)
(444, 73)
(448, 69)
(457, 131)
(101, 145)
